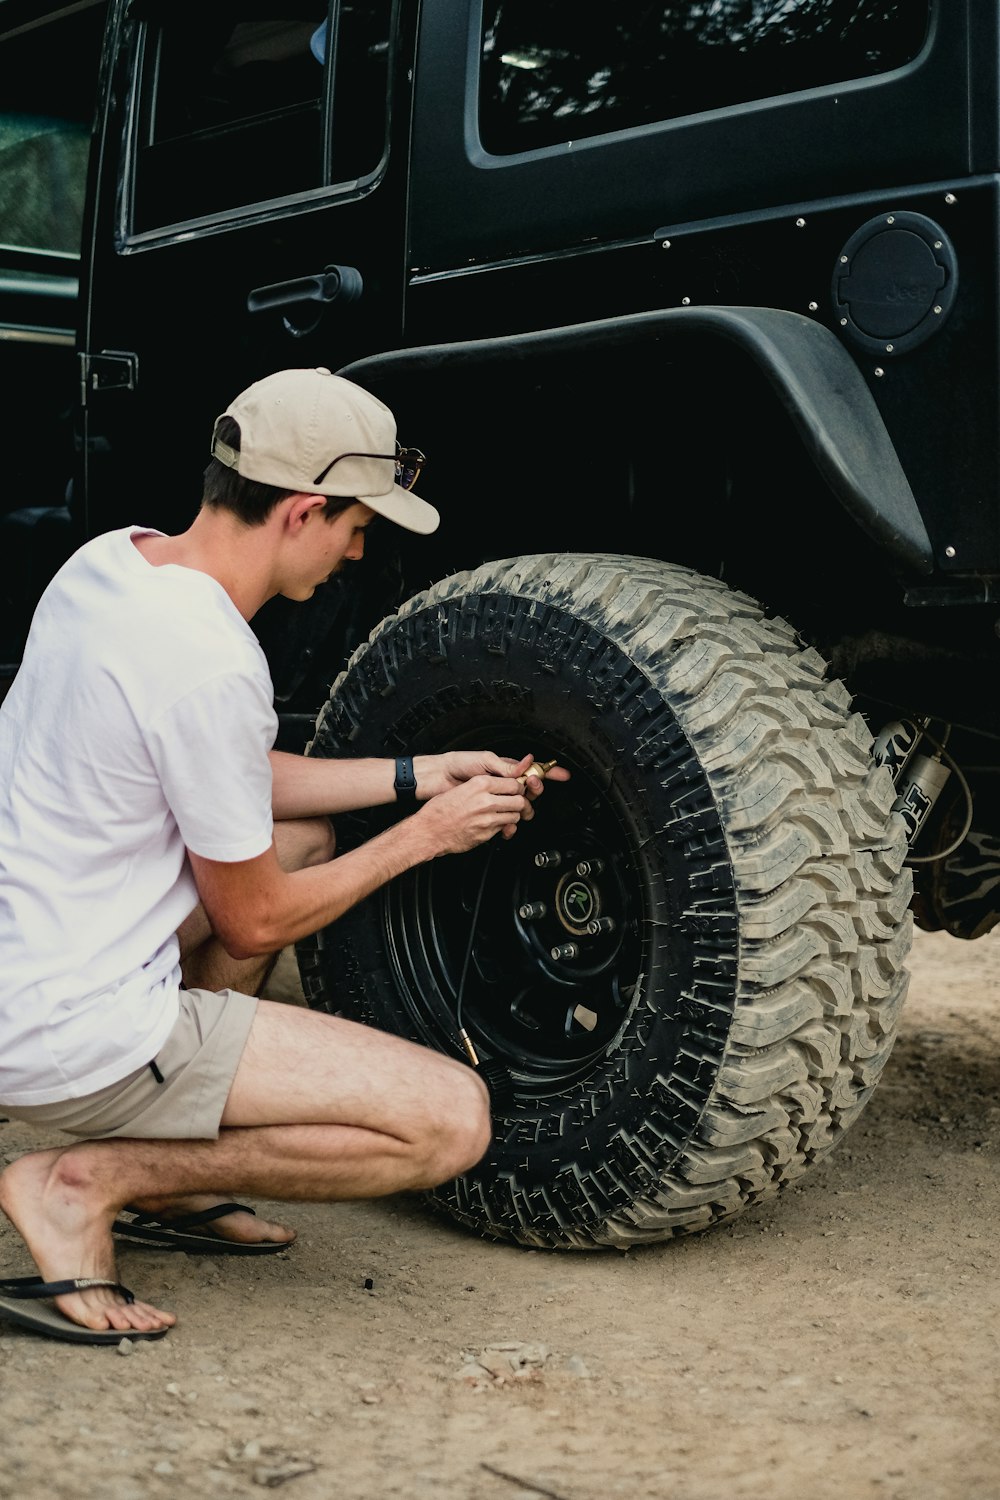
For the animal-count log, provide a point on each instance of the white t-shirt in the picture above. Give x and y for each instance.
(138, 726)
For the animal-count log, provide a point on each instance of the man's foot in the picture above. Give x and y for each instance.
(53, 1200)
(242, 1228)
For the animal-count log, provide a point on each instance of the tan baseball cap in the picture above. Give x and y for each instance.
(319, 434)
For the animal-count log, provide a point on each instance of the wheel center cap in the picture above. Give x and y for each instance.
(576, 903)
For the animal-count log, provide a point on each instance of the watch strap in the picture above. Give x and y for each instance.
(405, 784)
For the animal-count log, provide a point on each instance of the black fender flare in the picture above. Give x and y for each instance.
(812, 374)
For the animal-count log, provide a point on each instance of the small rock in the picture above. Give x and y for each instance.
(163, 1467)
(576, 1366)
(519, 1354)
(504, 1361)
(496, 1362)
(239, 1451)
(275, 1474)
(126, 1346)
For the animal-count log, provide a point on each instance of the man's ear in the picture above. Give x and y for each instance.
(302, 508)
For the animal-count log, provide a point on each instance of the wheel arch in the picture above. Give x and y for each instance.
(812, 378)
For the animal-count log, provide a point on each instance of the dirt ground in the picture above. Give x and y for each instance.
(841, 1342)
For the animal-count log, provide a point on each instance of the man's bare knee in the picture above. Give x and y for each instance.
(300, 842)
(460, 1138)
(322, 845)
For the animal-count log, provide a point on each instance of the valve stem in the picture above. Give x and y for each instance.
(470, 1050)
(539, 768)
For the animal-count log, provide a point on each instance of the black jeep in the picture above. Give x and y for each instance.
(693, 307)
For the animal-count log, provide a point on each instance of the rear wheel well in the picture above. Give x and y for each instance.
(682, 452)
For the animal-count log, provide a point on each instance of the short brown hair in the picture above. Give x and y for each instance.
(250, 500)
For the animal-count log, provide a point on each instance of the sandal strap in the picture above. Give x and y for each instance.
(187, 1221)
(34, 1286)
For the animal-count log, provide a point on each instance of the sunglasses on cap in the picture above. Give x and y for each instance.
(408, 461)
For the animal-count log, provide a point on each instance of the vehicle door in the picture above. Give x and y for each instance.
(48, 87)
(249, 216)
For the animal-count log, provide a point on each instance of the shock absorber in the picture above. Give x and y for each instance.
(896, 744)
(918, 778)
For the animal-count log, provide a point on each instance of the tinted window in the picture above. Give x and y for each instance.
(237, 106)
(49, 88)
(556, 70)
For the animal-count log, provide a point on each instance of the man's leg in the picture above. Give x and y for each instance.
(205, 964)
(321, 1109)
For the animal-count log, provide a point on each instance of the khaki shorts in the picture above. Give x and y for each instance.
(197, 1063)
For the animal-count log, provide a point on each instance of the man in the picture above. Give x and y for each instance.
(156, 854)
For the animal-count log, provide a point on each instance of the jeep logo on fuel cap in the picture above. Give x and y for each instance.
(894, 282)
(575, 903)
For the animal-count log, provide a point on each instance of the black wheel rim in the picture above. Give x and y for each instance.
(555, 920)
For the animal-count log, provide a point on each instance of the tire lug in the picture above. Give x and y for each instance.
(564, 951)
(599, 925)
(532, 911)
(548, 859)
(590, 867)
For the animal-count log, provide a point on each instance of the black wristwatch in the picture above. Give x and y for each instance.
(405, 783)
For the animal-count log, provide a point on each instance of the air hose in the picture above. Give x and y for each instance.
(494, 1074)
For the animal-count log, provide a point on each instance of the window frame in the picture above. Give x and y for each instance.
(653, 121)
(133, 66)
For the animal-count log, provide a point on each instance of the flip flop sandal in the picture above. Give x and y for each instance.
(175, 1233)
(19, 1304)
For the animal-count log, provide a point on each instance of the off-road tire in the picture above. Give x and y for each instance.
(721, 1036)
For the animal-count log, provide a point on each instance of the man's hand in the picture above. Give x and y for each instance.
(472, 812)
(437, 774)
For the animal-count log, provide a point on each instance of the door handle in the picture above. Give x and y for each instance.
(302, 302)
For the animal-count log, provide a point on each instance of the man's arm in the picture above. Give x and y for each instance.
(255, 907)
(307, 786)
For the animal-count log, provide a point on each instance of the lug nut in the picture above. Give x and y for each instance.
(532, 911)
(600, 924)
(564, 951)
(547, 859)
(590, 867)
